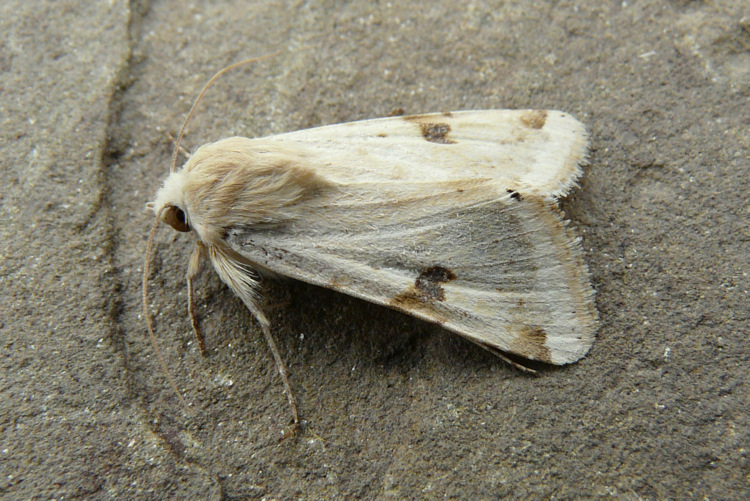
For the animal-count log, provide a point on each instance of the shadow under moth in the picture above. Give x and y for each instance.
(449, 217)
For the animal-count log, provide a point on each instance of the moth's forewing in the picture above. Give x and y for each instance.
(449, 217)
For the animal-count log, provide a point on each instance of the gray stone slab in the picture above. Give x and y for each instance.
(393, 407)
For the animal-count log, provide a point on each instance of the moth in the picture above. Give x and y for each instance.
(449, 217)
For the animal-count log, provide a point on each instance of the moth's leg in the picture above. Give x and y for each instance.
(240, 278)
(498, 353)
(280, 365)
(194, 267)
(284, 373)
(520, 367)
(265, 326)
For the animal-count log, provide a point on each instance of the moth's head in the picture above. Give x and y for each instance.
(171, 197)
(171, 207)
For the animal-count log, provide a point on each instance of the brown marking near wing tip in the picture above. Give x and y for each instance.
(576, 271)
(382, 135)
(448, 114)
(427, 289)
(534, 119)
(532, 343)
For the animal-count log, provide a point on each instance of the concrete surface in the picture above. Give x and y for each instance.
(394, 408)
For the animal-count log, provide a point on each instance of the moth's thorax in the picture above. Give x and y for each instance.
(239, 182)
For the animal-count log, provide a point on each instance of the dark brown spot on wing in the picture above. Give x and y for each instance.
(436, 132)
(514, 194)
(429, 280)
(408, 300)
(427, 288)
(534, 119)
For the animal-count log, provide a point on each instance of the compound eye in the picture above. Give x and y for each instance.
(175, 217)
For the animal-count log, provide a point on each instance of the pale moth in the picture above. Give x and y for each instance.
(450, 217)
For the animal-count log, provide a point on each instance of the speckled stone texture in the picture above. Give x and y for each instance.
(393, 407)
